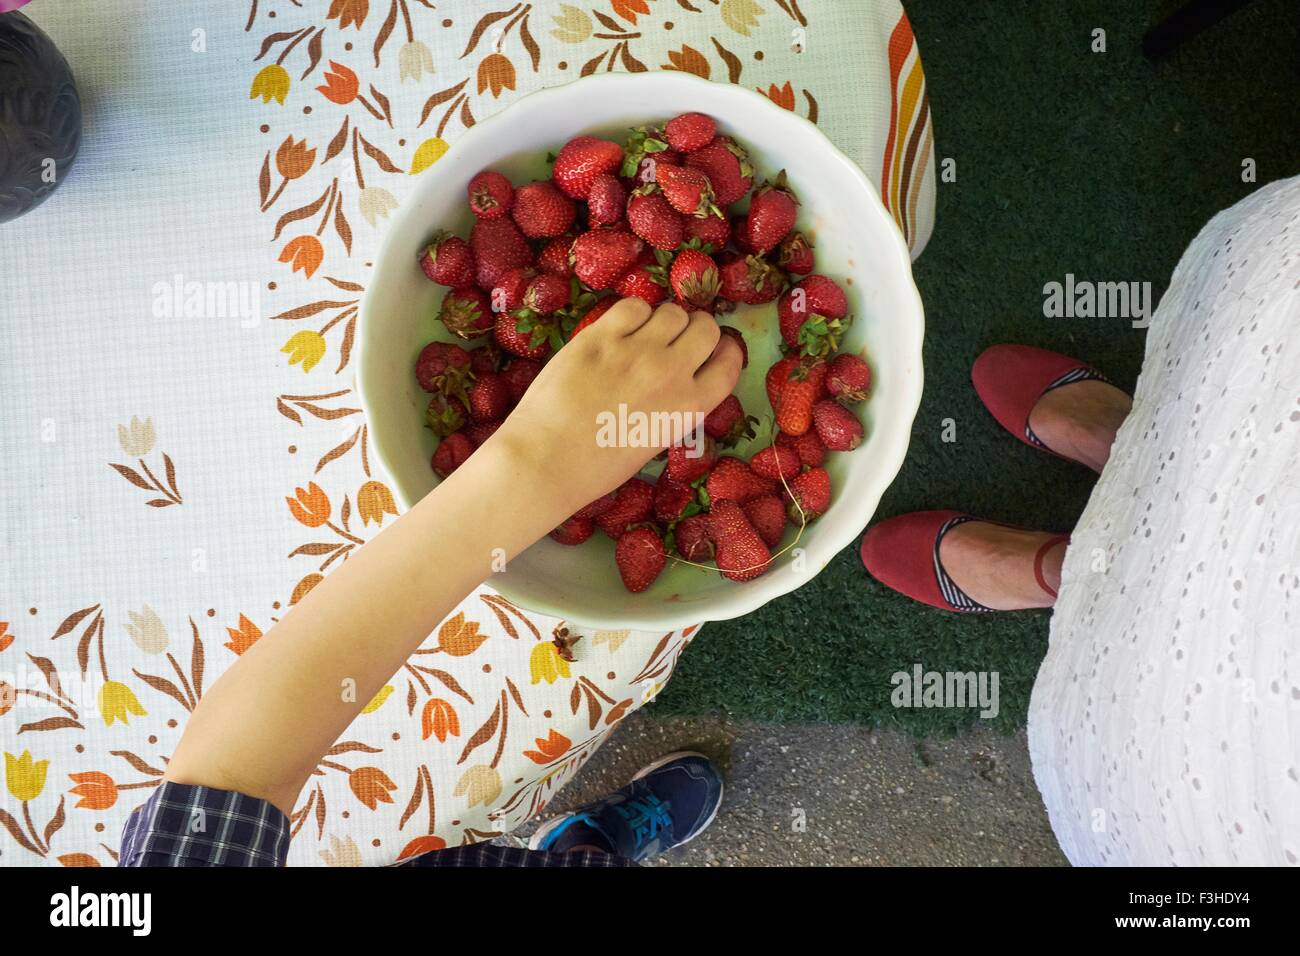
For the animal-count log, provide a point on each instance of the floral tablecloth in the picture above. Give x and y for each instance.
(184, 453)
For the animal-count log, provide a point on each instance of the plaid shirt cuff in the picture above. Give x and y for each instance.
(188, 825)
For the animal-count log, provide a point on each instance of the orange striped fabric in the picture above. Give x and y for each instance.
(907, 147)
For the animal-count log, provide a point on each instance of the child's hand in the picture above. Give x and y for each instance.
(665, 362)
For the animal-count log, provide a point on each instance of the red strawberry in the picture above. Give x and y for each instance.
(728, 424)
(479, 432)
(519, 341)
(490, 195)
(640, 557)
(837, 427)
(606, 200)
(574, 530)
(652, 218)
(633, 504)
(809, 447)
(687, 190)
(811, 315)
(690, 131)
(498, 247)
(776, 378)
(790, 368)
(485, 357)
(686, 464)
(738, 237)
(541, 211)
(508, 293)
(451, 454)
(594, 313)
(801, 392)
(466, 312)
(672, 497)
(445, 414)
(518, 375)
(448, 260)
(727, 166)
(739, 336)
(772, 213)
(848, 378)
(600, 256)
(711, 231)
(583, 159)
(776, 462)
(733, 480)
(812, 492)
(554, 257)
(694, 278)
(691, 538)
(643, 281)
(443, 367)
(489, 398)
(795, 254)
(595, 509)
(749, 279)
(767, 515)
(546, 294)
(742, 554)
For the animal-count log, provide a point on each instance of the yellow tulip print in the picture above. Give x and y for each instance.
(546, 664)
(305, 348)
(428, 153)
(116, 701)
(24, 776)
(271, 83)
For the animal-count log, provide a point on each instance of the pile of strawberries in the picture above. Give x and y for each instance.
(650, 218)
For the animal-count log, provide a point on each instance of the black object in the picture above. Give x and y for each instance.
(40, 116)
(1185, 23)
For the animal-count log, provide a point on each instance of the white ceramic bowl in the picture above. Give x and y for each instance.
(856, 240)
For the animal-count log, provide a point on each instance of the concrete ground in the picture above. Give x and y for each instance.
(864, 797)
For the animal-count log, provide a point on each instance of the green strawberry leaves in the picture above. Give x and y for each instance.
(642, 142)
(820, 336)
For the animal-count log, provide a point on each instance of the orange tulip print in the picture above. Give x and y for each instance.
(419, 845)
(371, 785)
(340, 84)
(496, 73)
(293, 160)
(96, 790)
(311, 507)
(244, 636)
(304, 254)
(349, 12)
(439, 720)
(782, 96)
(549, 749)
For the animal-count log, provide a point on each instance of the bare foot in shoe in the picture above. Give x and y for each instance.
(994, 565)
(1080, 420)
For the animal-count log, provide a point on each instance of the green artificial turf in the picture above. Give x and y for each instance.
(1103, 165)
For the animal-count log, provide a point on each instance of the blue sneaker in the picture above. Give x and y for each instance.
(666, 805)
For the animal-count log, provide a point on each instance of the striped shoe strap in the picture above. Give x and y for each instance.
(954, 595)
(1081, 374)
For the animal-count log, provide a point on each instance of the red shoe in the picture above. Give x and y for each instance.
(902, 553)
(1010, 379)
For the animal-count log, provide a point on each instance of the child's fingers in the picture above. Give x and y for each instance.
(718, 376)
(697, 341)
(626, 317)
(666, 324)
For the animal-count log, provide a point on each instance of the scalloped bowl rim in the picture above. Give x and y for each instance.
(829, 539)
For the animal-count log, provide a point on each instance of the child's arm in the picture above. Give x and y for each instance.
(263, 726)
